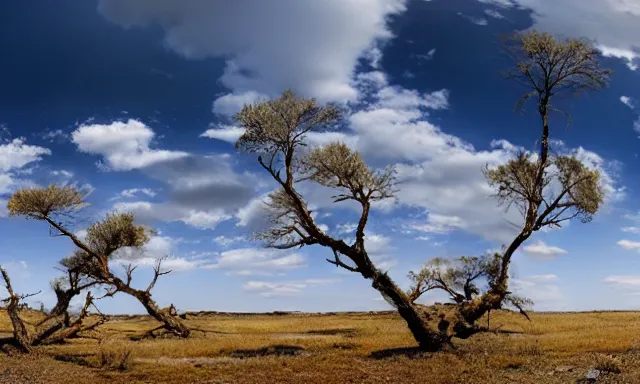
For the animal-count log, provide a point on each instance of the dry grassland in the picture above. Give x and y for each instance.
(338, 348)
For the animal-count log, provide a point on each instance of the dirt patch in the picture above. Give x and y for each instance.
(315, 333)
(332, 332)
(273, 350)
(410, 352)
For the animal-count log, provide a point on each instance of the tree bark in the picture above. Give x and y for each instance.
(428, 339)
(170, 323)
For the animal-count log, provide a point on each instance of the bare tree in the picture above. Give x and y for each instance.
(52, 329)
(548, 190)
(276, 131)
(103, 239)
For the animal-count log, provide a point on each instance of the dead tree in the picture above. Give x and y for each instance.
(49, 331)
(103, 239)
(276, 131)
(21, 334)
(547, 189)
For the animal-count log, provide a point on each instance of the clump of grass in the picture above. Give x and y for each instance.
(532, 349)
(607, 364)
(114, 357)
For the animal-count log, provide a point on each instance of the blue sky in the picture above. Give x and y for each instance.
(132, 100)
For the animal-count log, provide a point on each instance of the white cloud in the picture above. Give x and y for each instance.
(284, 288)
(347, 228)
(123, 145)
(16, 154)
(227, 133)
(481, 21)
(493, 13)
(148, 212)
(55, 135)
(226, 241)
(263, 55)
(626, 100)
(435, 171)
(133, 192)
(544, 251)
(626, 54)
(428, 56)
(230, 104)
(613, 24)
(62, 173)
(624, 282)
(157, 247)
(631, 229)
(629, 245)
(542, 289)
(252, 261)
(380, 250)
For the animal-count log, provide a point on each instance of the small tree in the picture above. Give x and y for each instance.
(103, 239)
(548, 190)
(276, 131)
(462, 279)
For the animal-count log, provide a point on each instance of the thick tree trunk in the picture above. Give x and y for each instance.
(428, 339)
(170, 323)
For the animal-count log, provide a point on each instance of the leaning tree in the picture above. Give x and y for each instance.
(93, 254)
(547, 189)
(276, 130)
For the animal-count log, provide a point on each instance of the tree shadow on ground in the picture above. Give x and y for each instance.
(410, 352)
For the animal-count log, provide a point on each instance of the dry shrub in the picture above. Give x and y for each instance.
(608, 364)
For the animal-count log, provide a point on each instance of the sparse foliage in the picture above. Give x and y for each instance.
(91, 258)
(38, 203)
(276, 130)
(548, 190)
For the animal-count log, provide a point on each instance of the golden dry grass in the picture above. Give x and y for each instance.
(341, 348)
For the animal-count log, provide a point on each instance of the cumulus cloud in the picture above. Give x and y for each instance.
(203, 190)
(284, 288)
(542, 250)
(317, 60)
(123, 145)
(436, 172)
(16, 154)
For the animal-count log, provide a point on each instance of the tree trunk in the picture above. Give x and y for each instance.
(428, 339)
(20, 332)
(170, 323)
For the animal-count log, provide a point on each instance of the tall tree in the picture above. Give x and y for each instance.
(547, 189)
(276, 131)
(104, 238)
